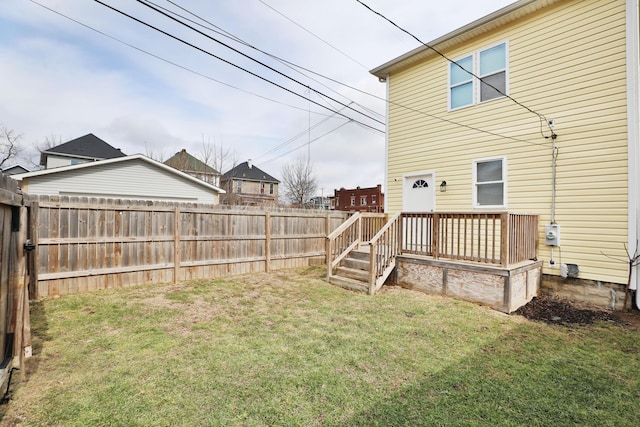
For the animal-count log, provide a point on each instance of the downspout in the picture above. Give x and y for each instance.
(633, 135)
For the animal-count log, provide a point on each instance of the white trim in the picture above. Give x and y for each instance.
(476, 86)
(633, 131)
(505, 192)
(506, 71)
(21, 176)
(450, 65)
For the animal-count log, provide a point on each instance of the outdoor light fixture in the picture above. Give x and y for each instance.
(443, 186)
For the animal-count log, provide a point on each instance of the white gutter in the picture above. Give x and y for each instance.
(633, 134)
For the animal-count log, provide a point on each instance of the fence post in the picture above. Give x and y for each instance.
(504, 237)
(267, 241)
(176, 244)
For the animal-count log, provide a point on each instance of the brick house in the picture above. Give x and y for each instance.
(370, 199)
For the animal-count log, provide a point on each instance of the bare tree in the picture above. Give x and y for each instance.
(34, 157)
(157, 155)
(299, 182)
(9, 144)
(217, 156)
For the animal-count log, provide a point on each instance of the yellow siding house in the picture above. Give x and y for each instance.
(538, 113)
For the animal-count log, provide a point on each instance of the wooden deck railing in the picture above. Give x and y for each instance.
(358, 229)
(500, 238)
(383, 249)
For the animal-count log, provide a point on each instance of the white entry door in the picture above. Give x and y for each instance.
(418, 193)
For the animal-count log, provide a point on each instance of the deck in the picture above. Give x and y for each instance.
(488, 258)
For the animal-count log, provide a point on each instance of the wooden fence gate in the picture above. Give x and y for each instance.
(15, 330)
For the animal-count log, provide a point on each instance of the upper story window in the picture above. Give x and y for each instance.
(353, 200)
(239, 187)
(363, 200)
(490, 183)
(271, 188)
(373, 199)
(490, 65)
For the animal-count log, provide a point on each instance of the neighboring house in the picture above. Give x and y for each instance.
(370, 199)
(248, 185)
(130, 177)
(12, 170)
(88, 148)
(190, 165)
(573, 68)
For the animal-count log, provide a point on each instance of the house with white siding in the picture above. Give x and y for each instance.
(131, 177)
(532, 109)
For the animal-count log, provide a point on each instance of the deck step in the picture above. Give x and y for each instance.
(355, 263)
(353, 273)
(361, 254)
(350, 284)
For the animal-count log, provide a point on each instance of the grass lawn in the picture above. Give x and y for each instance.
(288, 349)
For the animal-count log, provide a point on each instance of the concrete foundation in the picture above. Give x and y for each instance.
(602, 294)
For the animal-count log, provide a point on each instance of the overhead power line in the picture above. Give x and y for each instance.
(272, 100)
(226, 61)
(314, 35)
(308, 142)
(242, 54)
(539, 115)
(169, 61)
(295, 67)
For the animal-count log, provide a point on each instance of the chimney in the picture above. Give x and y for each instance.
(250, 163)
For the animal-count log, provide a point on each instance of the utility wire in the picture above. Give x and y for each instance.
(540, 116)
(226, 61)
(308, 142)
(299, 135)
(240, 53)
(288, 105)
(169, 61)
(317, 37)
(295, 67)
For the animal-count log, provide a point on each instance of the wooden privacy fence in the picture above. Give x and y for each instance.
(501, 238)
(87, 244)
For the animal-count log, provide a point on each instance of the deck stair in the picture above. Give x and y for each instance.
(353, 271)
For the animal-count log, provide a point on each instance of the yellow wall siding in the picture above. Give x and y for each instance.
(567, 62)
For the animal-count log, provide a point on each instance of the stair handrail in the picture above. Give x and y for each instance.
(347, 246)
(382, 256)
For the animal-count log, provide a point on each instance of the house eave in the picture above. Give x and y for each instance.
(489, 22)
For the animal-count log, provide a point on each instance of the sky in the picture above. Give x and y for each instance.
(273, 81)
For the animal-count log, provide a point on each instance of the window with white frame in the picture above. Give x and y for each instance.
(363, 200)
(490, 183)
(490, 65)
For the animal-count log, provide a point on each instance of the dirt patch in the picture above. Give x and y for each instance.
(562, 311)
